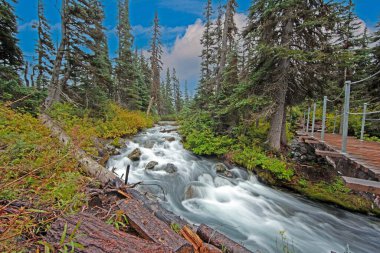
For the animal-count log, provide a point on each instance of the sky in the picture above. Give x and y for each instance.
(181, 27)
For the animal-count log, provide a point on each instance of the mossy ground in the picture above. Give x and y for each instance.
(40, 179)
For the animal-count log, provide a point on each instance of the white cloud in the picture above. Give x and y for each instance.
(186, 51)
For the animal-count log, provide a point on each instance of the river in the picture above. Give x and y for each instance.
(242, 208)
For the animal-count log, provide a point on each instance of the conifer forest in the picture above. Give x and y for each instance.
(190, 126)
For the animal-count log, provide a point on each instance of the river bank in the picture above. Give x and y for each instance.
(236, 203)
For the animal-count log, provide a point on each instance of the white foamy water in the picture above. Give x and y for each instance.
(241, 207)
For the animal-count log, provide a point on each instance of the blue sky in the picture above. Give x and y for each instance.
(180, 23)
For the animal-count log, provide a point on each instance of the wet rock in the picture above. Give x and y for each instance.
(220, 168)
(195, 190)
(112, 150)
(228, 173)
(135, 155)
(170, 168)
(149, 144)
(151, 165)
(170, 139)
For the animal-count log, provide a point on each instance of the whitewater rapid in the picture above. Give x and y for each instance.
(241, 207)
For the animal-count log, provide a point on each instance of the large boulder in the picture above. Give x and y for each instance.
(135, 154)
(170, 168)
(170, 139)
(151, 165)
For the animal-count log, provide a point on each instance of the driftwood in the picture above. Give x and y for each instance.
(196, 241)
(151, 228)
(219, 240)
(89, 165)
(154, 207)
(93, 235)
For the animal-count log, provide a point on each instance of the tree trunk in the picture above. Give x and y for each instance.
(97, 237)
(55, 87)
(275, 131)
(284, 139)
(89, 165)
(223, 53)
(276, 125)
(151, 228)
(219, 240)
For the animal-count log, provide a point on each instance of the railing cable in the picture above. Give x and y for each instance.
(365, 79)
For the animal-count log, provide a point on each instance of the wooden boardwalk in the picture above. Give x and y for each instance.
(365, 153)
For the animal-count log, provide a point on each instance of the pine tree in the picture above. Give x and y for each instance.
(156, 63)
(126, 89)
(176, 91)
(186, 95)
(228, 40)
(44, 49)
(286, 62)
(168, 93)
(11, 58)
(207, 42)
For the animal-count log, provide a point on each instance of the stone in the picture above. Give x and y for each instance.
(220, 168)
(151, 165)
(170, 139)
(135, 155)
(228, 173)
(170, 168)
(149, 144)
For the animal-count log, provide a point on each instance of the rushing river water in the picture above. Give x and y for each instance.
(240, 207)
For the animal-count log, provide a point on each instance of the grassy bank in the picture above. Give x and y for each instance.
(40, 180)
(276, 169)
(112, 124)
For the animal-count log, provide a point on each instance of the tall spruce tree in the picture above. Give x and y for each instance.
(176, 91)
(11, 58)
(156, 63)
(44, 49)
(289, 36)
(127, 92)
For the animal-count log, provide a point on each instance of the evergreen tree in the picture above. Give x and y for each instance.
(44, 49)
(11, 58)
(286, 62)
(176, 91)
(227, 40)
(127, 92)
(168, 93)
(207, 43)
(186, 95)
(156, 63)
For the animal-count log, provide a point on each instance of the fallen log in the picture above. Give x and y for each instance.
(151, 228)
(89, 165)
(92, 235)
(219, 240)
(154, 207)
(196, 241)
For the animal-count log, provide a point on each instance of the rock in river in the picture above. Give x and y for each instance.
(220, 168)
(170, 168)
(170, 139)
(151, 165)
(135, 155)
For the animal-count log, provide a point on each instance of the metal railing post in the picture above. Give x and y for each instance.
(347, 88)
(308, 120)
(324, 118)
(363, 122)
(313, 123)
